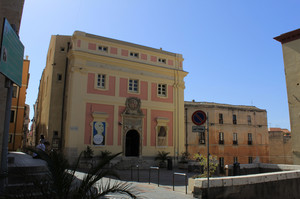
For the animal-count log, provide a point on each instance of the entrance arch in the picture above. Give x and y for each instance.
(132, 143)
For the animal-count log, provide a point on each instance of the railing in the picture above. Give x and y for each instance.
(158, 176)
(138, 172)
(154, 168)
(182, 174)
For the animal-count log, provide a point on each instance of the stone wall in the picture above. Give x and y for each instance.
(283, 184)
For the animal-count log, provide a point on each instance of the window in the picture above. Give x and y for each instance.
(249, 138)
(12, 116)
(249, 119)
(161, 136)
(201, 138)
(10, 138)
(103, 48)
(101, 81)
(250, 160)
(221, 164)
(134, 54)
(235, 159)
(161, 60)
(234, 119)
(221, 138)
(133, 85)
(162, 90)
(235, 138)
(62, 49)
(220, 118)
(59, 77)
(15, 91)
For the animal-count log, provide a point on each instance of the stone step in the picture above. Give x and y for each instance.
(22, 190)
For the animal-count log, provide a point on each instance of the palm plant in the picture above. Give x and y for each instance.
(162, 156)
(61, 182)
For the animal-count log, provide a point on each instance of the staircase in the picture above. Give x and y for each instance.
(132, 162)
(23, 171)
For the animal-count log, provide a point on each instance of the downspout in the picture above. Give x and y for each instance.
(16, 115)
(186, 133)
(63, 101)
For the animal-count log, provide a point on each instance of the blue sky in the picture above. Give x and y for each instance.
(228, 46)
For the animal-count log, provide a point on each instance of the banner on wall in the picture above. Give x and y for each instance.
(99, 133)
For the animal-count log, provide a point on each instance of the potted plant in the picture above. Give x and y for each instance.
(183, 163)
(88, 153)
(87, 160)
(161, 157)
(104, 155)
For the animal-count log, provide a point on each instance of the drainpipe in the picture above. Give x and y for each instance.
(186, 132)
(16, 115)
(63, 102)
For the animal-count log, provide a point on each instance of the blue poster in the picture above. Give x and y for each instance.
(99, 133)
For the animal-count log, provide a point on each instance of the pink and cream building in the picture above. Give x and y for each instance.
(111, 95)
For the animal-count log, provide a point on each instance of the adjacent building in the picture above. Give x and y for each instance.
(236, 133)
(19, 115)
(291, 55)
(280, 146)
(111, 95)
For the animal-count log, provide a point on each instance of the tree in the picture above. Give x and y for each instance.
(61, 183)
(203, 163)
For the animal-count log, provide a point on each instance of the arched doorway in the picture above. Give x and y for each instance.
(132, 145)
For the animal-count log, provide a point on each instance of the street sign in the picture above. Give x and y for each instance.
(199, 117)
(199, 129)
(11, 56)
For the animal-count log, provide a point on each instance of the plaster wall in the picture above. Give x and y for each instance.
(291, 56)
(259, 148)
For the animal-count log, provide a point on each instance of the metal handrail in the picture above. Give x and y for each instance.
(154, 168)
(182, 174)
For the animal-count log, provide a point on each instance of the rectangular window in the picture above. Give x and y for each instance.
(103, 48)
(249, 119)
(133, 85)
(250, 160)
(134, 54)
(221, 164)
(10, 138)
(202, 138)
(59, 77)
(235, 138)
(234, 119)
(62, 49)
(162, 90)
(12, 116)
(101, 81)
(15, 91)
(161, 60)
(220, 118)
(249, 138)
(235, 159)
(221, 138)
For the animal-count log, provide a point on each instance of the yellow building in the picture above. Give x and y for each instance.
(280, 146)
(111, 95)
(236, 133)
(291, 55)
(18, 111)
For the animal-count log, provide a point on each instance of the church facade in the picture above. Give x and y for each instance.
(111, 95)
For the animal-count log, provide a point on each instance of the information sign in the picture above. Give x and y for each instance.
(11, 57)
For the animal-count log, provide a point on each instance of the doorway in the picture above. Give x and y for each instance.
(132, 145)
